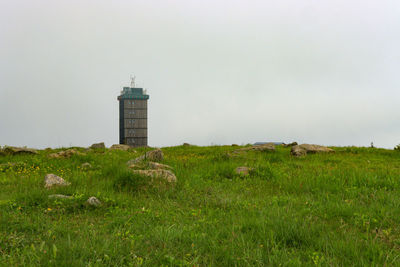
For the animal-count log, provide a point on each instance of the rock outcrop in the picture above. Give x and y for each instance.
(98, 146)
(304, 149)
(66, 154)
(263, 147)
(154, 155)
(290, 144)
(11, 150)
(120, 147)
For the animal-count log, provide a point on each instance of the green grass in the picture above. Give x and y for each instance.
(340, 209)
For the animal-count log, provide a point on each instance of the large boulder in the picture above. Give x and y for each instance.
(98, 146)
(51, 180)
(165, 175)
(11, 150)
(154, 155)
(304, 149)
(66, 154)
(120, 147)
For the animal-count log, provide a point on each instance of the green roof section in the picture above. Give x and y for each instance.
(133, 93)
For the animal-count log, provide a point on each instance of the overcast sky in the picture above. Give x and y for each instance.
(217, 72)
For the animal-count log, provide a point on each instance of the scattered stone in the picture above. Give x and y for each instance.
(11, 150)
(120, 147)
(86, 166)
(51, 180)
(263, 147)
(93, 201)
(154, 155)
(160, 174)
(59, 196)
(98, 146)
(290, 144)
(150, 165)
(66, 154)
(243, 170)
(304, 149)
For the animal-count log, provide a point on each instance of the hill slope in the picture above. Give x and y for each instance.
(323, 209)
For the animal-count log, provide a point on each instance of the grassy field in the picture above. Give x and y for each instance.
(340, 209)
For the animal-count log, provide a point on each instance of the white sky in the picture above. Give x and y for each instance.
(218, 72)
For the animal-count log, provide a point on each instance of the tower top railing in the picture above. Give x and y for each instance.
(133, 93)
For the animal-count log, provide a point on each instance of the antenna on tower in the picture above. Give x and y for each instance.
(133, 81)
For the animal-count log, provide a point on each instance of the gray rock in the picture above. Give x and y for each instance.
(93, 201)
(11, 150)
(51, 180)
(154, 155)
(98, 146)
(243, 170)
(290, 144)
(120, 147)
(150, 165)
(66, 154)
(59, 196)
(158, 166)
(263, 147)
(158, 174)
(304, 149)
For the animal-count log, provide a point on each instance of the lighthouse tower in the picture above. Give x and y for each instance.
(133, 116)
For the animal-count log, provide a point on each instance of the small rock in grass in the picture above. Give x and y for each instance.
(86, 166)
(243, 170)
(98, 146)
(263, 147)
(150, 165)
(120, 147)
(59, 196)
(162, 174)
(51, 180)
(65, 154)
(93, 201)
